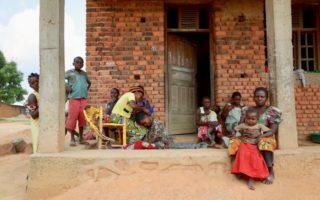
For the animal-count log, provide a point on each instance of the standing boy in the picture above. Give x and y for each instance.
(78, 84)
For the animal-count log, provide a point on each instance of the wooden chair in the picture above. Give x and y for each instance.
(122, 137)
(94, 118)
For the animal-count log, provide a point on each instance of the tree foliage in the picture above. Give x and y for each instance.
(10, 82)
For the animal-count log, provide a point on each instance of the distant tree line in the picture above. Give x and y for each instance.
(10, 82)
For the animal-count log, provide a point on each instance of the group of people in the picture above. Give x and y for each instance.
(247, 132)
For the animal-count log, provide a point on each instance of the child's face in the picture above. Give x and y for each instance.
(77, 63)
(236, 100)
(114, 94)
(251, 119)
(139, 96)
(146, 122)
(34, 83)
(206, 103)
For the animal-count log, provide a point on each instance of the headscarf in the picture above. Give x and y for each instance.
(136, 89)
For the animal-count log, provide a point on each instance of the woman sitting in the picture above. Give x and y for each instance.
(122, 111)
(270, 117)
(156, 136)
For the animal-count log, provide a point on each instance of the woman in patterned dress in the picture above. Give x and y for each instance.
(269, 116)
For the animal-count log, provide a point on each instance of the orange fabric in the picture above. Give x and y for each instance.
(264, 144)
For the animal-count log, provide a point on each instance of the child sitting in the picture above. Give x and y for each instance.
(231, 113)
(249, 160)
(114, 94)
(207, 122)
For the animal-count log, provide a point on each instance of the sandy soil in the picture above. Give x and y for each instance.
(13, 172)
(196, 186)
(14, 168)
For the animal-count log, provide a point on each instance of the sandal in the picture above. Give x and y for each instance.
(83, 142)
(72, 144)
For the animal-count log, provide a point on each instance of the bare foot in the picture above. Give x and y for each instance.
(269, 179)
(214, 146)
(251, 184)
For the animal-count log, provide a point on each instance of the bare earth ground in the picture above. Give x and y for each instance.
(13, 172)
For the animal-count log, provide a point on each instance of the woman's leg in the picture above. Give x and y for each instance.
(268, 158)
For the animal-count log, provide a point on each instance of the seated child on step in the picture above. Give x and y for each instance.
(114, 94)
(249, 161)
(207, 122)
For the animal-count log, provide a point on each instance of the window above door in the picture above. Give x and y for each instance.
(187, 18)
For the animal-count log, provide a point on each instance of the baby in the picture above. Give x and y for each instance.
(251, 126)
(249, 161)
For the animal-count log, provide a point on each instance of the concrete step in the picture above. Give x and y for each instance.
(69, 169)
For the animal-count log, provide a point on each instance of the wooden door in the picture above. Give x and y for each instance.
(182, 65)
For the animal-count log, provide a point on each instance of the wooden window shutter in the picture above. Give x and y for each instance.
(296, 17)
(189, 18)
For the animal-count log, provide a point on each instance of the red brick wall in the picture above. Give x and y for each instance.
(238, 36)
(308, 108)
(10, 111)
(121, 47)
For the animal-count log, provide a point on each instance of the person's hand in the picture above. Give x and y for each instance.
(246, 133)
(147, 111)
(229, 107)
(32, 108)
(251, 134)
(213, 124)
(68, 89)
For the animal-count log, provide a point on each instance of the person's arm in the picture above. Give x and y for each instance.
(225, 111)
(89, 84)
(66, 78)
(198, 121)
(32, 106)
(273, 130)
(134, 106)
(68, 89)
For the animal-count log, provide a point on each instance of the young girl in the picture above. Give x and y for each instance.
(231, 113)
(32, 105)
(249, 161)
(207, 122)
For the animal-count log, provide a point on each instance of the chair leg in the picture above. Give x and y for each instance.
(99, 143)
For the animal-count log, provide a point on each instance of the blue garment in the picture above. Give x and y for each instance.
(78, 81)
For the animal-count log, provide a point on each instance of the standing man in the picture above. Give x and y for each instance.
(78, 84)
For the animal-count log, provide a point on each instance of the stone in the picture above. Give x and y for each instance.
(19, 144)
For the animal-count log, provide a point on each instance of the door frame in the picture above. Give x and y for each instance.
(166, 67)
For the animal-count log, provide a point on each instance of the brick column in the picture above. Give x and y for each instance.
(52, 88)
(280, 61)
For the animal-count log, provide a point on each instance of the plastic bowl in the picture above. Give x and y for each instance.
(315, 137)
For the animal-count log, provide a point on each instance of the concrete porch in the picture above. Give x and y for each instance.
(56, 173)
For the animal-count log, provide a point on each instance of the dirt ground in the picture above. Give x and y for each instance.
(14, 168)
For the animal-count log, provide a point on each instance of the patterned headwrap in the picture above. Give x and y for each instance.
(136, 89)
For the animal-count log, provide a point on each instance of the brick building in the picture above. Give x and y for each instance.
(181, 51)
(8, 110)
